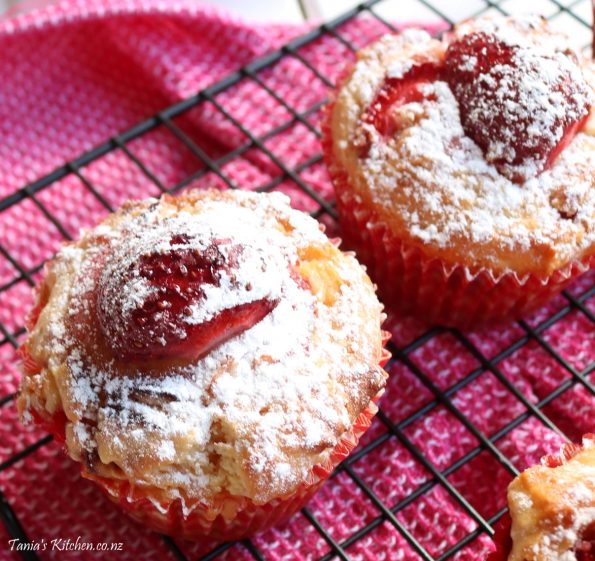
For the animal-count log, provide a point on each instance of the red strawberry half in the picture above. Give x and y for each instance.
(520, 106)
(172, 282)
(394, 93)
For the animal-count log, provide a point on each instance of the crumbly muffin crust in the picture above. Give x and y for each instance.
(552, 509)
(432, 184)
(258, 412)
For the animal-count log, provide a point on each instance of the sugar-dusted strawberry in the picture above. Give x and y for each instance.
(522, 107)
(155, 321)
(396, 92)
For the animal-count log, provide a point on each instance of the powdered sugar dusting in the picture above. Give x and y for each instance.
(482, 203)
(516, 102)
(437, 179)
(125, 284)
(255, 414)
(402, 50)
(526, 30)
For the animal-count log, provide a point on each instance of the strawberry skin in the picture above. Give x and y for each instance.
(520, 106)
(159, 327)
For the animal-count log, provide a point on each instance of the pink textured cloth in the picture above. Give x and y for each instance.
(77, 72)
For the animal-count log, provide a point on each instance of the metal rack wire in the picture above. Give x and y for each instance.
(440, 396)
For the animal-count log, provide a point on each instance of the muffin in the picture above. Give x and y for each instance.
(464, 168)
(552, 509)
(208, 359)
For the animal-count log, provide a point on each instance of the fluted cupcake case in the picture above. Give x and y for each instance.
(222, 516)
(232, 518)
(228, 519)
(411, 281)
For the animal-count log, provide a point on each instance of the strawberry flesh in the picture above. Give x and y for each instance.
(502, 540)
(521, 107)
(158, 328)
(396, 92)
(585, 546)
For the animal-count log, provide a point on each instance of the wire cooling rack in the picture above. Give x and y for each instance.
(527, 332)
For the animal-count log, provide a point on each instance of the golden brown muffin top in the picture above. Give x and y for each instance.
(432, 184)
(248, 416)
(553, 508)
